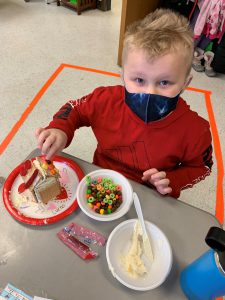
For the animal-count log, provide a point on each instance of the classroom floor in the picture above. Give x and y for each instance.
(36, 39)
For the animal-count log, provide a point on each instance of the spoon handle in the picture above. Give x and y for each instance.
(139, 213)
(146, 242)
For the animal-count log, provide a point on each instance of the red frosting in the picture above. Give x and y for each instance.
(22, 188)
(25, 167)
(63, 194)
(26, 185)
(28, 164)
(31, 179)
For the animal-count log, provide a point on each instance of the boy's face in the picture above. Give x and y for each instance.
(165, 75)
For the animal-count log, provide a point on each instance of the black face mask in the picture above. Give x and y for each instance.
(150, 107)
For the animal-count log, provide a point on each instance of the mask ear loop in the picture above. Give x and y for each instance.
(146, 109)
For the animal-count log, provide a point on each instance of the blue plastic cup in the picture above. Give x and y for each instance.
(204, 279)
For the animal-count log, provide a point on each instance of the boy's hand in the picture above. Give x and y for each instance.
(158, 179)
(50, 141)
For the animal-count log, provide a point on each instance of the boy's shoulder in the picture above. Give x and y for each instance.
(192, 125)
(191, 116)
(115, 90)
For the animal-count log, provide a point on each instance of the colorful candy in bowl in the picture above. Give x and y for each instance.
(104, 195)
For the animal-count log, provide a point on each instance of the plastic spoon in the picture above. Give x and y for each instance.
(146, 242)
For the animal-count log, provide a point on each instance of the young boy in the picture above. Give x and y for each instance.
(144, 129)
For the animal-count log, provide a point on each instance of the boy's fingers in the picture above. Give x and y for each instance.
(47, 144)
(147, 174)
(42, 138)
(52, 151)
(38, 131)
(163, 187)
(163, 183)
(158, 176)
(150, 172)
(165, 191)
(159, 180)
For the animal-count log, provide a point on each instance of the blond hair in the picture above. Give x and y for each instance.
(161, 32)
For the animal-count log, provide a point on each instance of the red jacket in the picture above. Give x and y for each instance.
(179, 144)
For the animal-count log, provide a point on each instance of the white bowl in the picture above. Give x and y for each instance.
(118, 244)
(127, 195)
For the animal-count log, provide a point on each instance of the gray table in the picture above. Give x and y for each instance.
(34, 260)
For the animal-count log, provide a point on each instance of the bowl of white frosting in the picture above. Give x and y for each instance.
(127, 260)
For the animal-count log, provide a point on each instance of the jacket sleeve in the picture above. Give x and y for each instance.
(195, 167)
(75, 114)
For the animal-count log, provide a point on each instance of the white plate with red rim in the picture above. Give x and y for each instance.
(35, 214)
(118, 179)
